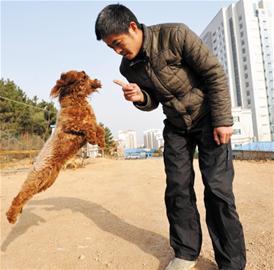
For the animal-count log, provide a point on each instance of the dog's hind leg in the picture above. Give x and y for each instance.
(36, 182)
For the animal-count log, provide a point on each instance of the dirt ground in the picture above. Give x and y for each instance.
(111, 215)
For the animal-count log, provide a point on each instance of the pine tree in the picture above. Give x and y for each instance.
(20, 114)
(110, 144)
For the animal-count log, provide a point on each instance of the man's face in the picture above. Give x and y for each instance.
(126, 44)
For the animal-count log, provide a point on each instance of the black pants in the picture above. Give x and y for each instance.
(217, 171)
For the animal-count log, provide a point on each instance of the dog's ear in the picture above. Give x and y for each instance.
(55, 91)
(65, 79)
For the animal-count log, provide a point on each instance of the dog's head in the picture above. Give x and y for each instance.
(76, 83)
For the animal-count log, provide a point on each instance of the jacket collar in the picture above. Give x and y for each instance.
(146, 39)
(143, 54)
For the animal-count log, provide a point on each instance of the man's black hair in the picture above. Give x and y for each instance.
(114, 19)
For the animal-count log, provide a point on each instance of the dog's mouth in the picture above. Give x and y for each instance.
(96, 84)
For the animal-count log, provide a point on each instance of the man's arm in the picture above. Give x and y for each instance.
(206, 65)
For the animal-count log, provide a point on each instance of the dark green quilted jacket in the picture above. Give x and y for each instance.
(175, 68)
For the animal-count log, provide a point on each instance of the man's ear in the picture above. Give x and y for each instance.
(133, 26)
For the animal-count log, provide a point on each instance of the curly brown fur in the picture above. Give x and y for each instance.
(76, 125)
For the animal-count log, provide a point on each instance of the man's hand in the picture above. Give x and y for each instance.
(132, 91)
(222, 134)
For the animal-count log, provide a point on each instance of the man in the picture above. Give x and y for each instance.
(169, 64)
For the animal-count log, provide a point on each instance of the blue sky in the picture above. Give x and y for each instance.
(42, 39)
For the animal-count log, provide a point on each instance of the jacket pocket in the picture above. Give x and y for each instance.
(193, 101)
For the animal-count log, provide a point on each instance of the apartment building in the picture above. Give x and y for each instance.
(240, 35)
(127, 139)
(153, 138)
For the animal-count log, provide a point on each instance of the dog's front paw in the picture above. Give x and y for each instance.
(91, 138)
(101, 143)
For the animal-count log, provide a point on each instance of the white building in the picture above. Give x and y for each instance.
(90, 150)
(127, 139)
(153, 138)
(242, 128)
(265, 20)
(240, 36)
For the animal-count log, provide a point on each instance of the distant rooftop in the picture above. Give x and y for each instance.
(257, 146)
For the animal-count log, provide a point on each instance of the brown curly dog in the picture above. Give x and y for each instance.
(76, 125)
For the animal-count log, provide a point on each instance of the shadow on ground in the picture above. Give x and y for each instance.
(148, 241)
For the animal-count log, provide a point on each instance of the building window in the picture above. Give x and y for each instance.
(248, 93)
(246, 75)
(240, 17)
(236, 119)
(237, 132)
(243, 50)
(241, 25)
(243, 42)
(246, 84)
(244, 59)
(242, 34)
(245, 67)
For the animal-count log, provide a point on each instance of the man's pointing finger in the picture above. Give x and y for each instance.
(122, 84)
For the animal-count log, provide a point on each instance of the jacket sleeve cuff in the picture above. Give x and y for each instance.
(223, 122)
(147, 105)
(144, 103)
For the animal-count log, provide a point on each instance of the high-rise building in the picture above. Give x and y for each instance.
(153, 138)
(241, 37)
(127, 139)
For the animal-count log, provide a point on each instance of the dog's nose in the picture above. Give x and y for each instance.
(96, 83)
